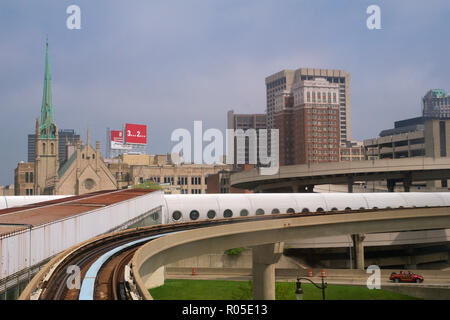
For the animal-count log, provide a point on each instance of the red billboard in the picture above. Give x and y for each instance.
(116, 136)
(135, 134)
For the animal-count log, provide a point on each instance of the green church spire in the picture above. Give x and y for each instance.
(47, 128)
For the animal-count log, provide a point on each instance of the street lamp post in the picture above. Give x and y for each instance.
(299, 290)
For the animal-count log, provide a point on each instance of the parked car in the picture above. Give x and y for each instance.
(405, 277)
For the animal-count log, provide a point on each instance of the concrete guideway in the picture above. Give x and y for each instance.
(299, 177)
(171, 248)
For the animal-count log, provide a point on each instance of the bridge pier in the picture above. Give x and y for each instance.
(390, 185)
(358, 248)
(264, 259)
(407, 183)
(350, 185)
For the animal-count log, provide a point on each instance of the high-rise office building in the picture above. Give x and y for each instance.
(285, 79)
(436, 104)
(245, 122)
(307, 118)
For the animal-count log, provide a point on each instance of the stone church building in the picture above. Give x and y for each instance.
(83, 172)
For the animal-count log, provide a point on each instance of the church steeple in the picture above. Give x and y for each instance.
(47, 126)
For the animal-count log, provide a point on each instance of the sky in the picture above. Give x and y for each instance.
(168, 63)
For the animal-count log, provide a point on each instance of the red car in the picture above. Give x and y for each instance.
(405, 277)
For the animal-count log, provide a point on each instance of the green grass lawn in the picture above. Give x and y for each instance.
(241, 290)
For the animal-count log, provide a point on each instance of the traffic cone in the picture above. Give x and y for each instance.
(323, 273)
(310, 273)
(194, 271)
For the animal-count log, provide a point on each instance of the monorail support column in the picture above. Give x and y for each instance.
(407, 183)
(390, 185)
(358, 248)
(264, 259)
(350, 185)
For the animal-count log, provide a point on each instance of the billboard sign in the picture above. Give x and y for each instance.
(117, 141)
(135, 134)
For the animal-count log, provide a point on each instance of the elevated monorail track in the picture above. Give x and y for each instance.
(108, 281)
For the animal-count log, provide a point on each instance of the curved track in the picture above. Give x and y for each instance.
(109, 280)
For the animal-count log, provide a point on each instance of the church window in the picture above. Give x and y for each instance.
(89, 184)
(52, 148)
(93, 156)
(43, 148)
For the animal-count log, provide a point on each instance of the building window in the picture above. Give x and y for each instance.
(26, 178)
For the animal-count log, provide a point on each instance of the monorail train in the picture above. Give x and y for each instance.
(179, 208)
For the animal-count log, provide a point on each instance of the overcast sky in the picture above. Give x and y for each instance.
(168, 63)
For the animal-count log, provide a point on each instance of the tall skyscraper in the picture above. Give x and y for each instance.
(245, 122)
(436, 104)
(285, 79)
(307, 118)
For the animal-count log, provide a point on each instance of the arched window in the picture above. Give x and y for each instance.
(43, 148)
(194, 215)
(275, 211)
(304, 210)
(244, 213)
(319, 209)
(334, 209)
(93, 156)
(348, 208)
(227, 213)
(82, 155)
(52, 148)
(176, 215)
(290, 210)
(211, 214)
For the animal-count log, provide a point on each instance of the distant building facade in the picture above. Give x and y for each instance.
(352, 151)
(436, 104)
(246, 122)
(284, 81)
(132, 169)
(413, 137)
(308, 121)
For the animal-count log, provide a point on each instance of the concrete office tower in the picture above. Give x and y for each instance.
(436, 104)
(245, 122)
(285, 79)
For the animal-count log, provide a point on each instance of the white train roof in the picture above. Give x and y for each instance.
(297, 202)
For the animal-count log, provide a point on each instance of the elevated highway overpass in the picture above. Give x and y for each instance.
(303, 178)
